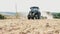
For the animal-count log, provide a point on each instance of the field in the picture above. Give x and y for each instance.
(25, 26)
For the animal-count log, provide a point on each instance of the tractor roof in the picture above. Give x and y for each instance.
(34, 7)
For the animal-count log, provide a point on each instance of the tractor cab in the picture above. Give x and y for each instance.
(34, 9)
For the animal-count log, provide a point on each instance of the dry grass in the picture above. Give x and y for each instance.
(25, 26)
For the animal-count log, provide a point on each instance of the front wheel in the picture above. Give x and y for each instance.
(32, 17)
(36, 17)
(28, 17)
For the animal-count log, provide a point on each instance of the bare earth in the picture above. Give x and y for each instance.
(25, 26)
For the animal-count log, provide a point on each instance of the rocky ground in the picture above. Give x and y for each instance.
(25, 26)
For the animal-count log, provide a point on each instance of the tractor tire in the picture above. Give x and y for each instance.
(32, 17)
(28, 16)
(35, 16)
(39, 14)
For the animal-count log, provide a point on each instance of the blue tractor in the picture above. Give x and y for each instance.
(34, 13)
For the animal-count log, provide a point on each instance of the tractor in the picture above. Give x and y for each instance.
(34, 13)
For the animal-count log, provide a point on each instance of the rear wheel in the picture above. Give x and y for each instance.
(39, 14)
(38, 17)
